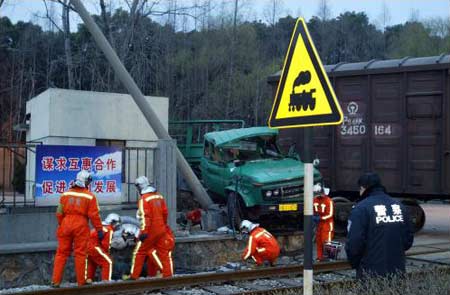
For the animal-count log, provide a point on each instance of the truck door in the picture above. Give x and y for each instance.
(212, 170)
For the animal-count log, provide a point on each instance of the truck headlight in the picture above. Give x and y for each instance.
(268, 194)
(276, 192)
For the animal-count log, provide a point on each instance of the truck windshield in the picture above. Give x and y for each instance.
(252, 149)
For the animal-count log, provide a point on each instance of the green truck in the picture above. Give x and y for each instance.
(245, 169)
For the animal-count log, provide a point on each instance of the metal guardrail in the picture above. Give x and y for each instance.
(17, 182)
(13, 180)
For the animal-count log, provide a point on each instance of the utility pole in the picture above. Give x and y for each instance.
(124, 76)
(308, 211)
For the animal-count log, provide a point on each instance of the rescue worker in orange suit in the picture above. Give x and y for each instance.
(76, 207)
(262, 246)
(152, 212)
(324, 218)
(160, 258)
(98, 251)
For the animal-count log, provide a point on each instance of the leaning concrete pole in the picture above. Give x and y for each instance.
(125, 77)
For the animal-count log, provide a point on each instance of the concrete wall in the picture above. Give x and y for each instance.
(74, 117)
(88, 114)
(20, 227)
(192, 254)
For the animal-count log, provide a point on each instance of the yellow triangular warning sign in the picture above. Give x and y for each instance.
(304, 96)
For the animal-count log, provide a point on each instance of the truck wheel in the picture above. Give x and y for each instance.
(235, 211)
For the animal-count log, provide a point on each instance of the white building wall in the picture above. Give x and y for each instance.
(89, 114)
(74, 117)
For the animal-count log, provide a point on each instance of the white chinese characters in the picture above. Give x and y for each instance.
(383, 217)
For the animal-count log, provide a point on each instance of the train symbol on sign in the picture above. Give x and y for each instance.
(304, 99)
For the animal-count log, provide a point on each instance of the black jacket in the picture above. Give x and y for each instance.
(380, 232)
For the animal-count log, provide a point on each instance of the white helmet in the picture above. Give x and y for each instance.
(130, 230)
(247, 226)
(83, 179)
(143, 185)
(112, 219)
(317, 188)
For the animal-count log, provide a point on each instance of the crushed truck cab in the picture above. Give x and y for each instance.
(245, 169)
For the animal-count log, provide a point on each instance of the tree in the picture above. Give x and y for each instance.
(384, 19)
(210, 65)
(324, 10)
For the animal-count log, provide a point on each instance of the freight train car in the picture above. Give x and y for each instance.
(396, 122)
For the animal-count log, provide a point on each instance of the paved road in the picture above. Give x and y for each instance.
(437, 224)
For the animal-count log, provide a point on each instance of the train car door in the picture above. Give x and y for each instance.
(424, 103)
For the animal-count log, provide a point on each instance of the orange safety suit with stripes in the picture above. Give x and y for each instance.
(98, 254)
(153, 214)
(76, 207)
(160, 257)
(324, 208)
(262, 246)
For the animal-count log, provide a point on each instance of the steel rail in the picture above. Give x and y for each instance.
(190, 280)
(151, 284)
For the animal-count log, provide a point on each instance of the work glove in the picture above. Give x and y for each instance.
(100, 235)
(142, 237)
(316, 219)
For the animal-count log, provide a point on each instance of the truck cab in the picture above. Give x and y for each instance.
(245, 169)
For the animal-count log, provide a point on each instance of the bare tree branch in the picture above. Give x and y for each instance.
(47, 15)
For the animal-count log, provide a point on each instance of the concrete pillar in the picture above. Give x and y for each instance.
(166, 176)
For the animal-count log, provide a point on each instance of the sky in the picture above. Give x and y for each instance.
(399, 11)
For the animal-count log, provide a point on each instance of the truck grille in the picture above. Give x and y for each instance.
(291, 191)
(284, 193)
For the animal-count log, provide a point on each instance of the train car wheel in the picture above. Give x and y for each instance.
(342, 208)
(416, 214)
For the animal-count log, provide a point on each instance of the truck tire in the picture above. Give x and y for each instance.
(235, 211)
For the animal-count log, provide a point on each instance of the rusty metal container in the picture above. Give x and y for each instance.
(396, 122)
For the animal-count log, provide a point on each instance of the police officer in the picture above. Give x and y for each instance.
(379, 231)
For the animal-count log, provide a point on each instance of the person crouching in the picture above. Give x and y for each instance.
(262, 246)
(98, 251)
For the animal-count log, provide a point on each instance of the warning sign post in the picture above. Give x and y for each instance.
(305, 98)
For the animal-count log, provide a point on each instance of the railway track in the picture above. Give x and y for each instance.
(213, 283)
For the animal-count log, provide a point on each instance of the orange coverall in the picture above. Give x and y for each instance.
(98, 254)
(160, 257)
(261, 246)
(324, 207)
(153, 212)
(76, 206)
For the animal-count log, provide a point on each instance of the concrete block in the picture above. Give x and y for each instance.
(213, 219)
